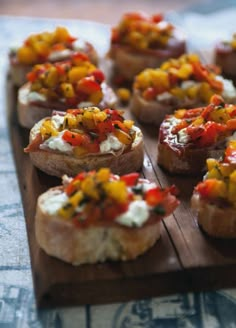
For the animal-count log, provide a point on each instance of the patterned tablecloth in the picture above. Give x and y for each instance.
(17, 303)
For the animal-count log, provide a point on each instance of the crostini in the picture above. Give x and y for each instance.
(140, 41)
(179, 83)
(225, 57)
(214, 199)
(188, 137)
(46, 47)
(68, 84)
(99, 216)
(86, 139)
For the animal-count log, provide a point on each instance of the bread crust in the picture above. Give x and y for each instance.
(154, 112)
(216, 221)
(57, 164)
(30, 113)
(185, 160)
(225, 57)
(126, 57)
(60, 238)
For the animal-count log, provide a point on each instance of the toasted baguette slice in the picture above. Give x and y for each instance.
(216, 221)
(188, 137)
(136, 61)
(57, 163)
(18, 71)
(98, 237)
(155, 42)
(93, 244)
(30, 112)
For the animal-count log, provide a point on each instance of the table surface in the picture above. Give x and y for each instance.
(17, 302)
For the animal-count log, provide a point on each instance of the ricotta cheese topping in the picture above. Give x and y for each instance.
(136, 215)
(57, 120)
(229, 90)
(57, 143)
(53, 203)
(59, 55)
(35, 96)
(183, 137)
(110, 144)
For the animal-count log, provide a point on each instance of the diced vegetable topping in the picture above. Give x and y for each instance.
(75, 80)
(100, 196)
(170, 77)
(206, 125)
(38, 47)
(141, 31)
(220, 181)
(86, 128)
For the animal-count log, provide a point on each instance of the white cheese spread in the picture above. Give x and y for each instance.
(110, 144)
(53, 203)
(59, 55)
(57, 143)
(35, 96)
(183, 137)
(229, 90)
(136, 215)
(57, 120)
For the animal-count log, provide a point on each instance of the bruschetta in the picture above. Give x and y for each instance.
(214, 199)
(179, 83)
(188, 137)
(225, 57)
(140, 41)
(68, 84)
(46, 47)
(86, 139)
(99, 216)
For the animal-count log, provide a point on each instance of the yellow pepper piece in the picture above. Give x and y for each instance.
(128, 124)
(180, 113)
(123, 137)
(116, 190)
(66, 211)
(124, 94)
(52, 77)
(88, 186)
(61, 34)
(220, 115)
(100, 116)
(96, 97)
(26, 55)
(47, 129)
(67, 90)
(103, 175)
(77, 73)
(70, 121)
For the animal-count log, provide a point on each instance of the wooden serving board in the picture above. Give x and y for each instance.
(184, 259)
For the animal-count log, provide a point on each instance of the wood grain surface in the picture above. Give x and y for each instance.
(184, 259)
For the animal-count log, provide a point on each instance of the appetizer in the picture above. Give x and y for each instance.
(214, 198)
(188, 137)
(225, 57)
(179, 83)
(86, 139)
(46, 47)
(99, 216)
(140, 41)
(67, 84)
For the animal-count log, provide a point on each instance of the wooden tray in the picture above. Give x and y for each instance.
(184, 259)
